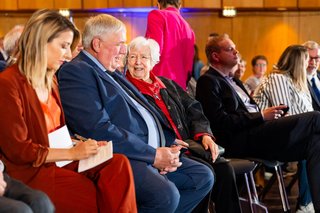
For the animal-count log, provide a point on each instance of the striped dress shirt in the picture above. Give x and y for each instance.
(277, 89)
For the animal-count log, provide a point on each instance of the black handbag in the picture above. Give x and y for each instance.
(197, 150)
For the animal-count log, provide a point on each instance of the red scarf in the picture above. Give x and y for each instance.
(153, 90)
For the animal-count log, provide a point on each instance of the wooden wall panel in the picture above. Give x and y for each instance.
(9, 5)
(9, 21)
(309, 3)
(280, 3)
(243, 3)
(116, 3)
(216, 4)
(264, 34)
(93, 4)
(267, 33)
(210, 23)
(154, 3)
(35, 4)
(309, 27)
(68, 4)
(137, 3)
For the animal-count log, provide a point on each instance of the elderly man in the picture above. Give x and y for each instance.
(243, 130)
(10, 45)
(312, 72)
(100, 103)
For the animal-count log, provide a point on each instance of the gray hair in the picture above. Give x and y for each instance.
(154, 47)
(100, 25)
(311, 45)
(10, 41)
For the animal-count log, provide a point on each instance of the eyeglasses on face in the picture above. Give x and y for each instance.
(135, 57)
(317, 58)
(260, 65)
(229, 49)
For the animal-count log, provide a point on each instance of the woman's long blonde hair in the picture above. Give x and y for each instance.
(41, 28)
(293, 62)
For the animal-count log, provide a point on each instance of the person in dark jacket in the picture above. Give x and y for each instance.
(184, 114)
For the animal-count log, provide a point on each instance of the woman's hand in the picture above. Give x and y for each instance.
(272, 113)
(208, 143)
(83, 150)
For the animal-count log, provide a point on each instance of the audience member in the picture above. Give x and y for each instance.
(259, 67)
(78, 49)
(3, 65)
(197, 63)
(287, 84)
(241, 69)
(3, 55)
(31, 108)
(313, 74)
(100, 103)
(17, 197)
(243, 130)
(10, 45)
(184, 115)
(176, 40)
(197, 66)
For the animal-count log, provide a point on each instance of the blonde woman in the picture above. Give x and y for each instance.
(287, 84)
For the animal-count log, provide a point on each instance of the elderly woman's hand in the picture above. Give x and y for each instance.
(3, 184)
(208, 143)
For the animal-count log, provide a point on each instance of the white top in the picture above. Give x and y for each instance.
(279, 89)
(252, 83)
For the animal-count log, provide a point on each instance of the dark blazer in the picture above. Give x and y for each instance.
(96, 107)
(3, 65)
(223, 107)
(315, 101)
(186, 112)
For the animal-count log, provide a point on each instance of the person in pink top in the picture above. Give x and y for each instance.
(176, 40)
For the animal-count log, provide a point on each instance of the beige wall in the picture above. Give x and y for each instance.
(267, 33)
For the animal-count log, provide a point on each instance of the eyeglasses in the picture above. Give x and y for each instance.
(260, 65)
(314, 58)
(134, 58)
(229, 49)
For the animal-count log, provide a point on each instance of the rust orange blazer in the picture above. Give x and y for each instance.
(24, 138)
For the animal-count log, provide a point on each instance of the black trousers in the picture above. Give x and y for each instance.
(224, 192)
(291, 138)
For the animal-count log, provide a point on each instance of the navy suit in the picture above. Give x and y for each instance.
(3, 65)
(315, 101)
(246, 134)
(96, 107)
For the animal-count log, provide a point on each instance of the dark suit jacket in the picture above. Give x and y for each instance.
(96, 107)
(315, 101)
(3, 65)
(223, 107)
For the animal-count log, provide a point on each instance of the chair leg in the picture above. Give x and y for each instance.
(282, 189)
(248, 191)
(267, 187)
(253, 186)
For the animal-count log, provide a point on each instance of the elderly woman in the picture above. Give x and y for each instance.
(183, 113)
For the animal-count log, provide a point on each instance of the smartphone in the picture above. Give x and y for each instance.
(285, 110)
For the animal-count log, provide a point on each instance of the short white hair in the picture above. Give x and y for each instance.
(100, 25)
(311, 45)
(10, 41)
(154, 47)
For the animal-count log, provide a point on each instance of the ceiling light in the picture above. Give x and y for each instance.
(229, 12)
